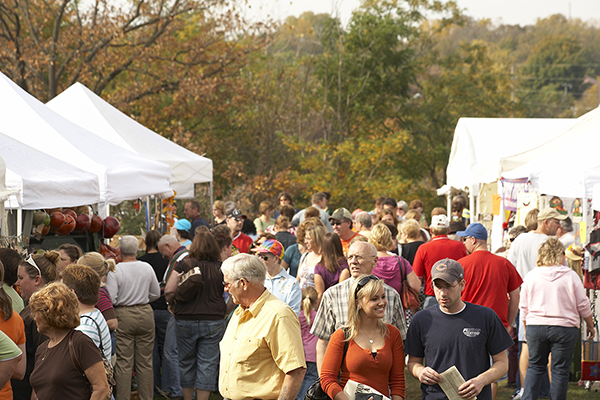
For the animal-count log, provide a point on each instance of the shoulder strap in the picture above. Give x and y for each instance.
(99, 333)
(401, 265)
(72, 353)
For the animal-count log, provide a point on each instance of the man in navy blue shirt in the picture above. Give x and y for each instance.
(192, 212)
(456, 333)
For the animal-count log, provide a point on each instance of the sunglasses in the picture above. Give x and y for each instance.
(263, 256)
(31, 262)
(362, 283)
(336, 222)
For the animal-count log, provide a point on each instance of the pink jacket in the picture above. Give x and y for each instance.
(553, 296)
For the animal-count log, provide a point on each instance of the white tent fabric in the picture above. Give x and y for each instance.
(43, 181)
(567, 165)
(123, 175)
(480, 143)
(4, 191)
(88, 110)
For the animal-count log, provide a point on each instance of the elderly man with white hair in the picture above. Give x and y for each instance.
(262, 355)
(132, 286)
(333, 311)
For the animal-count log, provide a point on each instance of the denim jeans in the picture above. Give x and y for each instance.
(164, 357)
(543, 340)
(198, 346)
(309, 378)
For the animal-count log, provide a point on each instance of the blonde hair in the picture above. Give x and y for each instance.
(47, 264)
(381, 237)
(531, 221)
(411, 229)
(317, 234)
(309, 302)
(366, 292)
(97, 262)
(551, 252)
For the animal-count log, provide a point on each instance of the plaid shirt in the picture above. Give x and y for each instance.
(333, 311)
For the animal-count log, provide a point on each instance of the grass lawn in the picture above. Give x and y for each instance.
(413, 391)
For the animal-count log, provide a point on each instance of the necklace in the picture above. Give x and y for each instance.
(370, 340)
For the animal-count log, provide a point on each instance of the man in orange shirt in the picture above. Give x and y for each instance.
(341, 221)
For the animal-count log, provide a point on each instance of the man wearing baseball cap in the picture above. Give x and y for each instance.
(456, 333)
(235, 221)
(491, 280)
(341, 221)
(523, 255)
(281, 284)
(438, 248)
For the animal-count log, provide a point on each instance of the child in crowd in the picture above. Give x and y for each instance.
(307, 316)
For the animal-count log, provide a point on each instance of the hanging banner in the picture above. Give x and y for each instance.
(510, 191)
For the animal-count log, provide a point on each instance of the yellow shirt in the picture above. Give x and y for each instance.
(261, 344)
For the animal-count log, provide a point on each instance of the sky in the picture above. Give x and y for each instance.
(514, 12)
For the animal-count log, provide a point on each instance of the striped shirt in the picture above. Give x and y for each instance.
(333, 311)
(90, 328)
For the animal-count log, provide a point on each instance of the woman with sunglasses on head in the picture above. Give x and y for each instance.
(375, 353)
(35, 272)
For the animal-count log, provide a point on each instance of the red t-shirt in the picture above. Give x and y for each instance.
(242, 242)
(488, 280)
(429, 253)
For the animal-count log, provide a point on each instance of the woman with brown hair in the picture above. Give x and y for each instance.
(218, 210)
(32, 275)
(69, 254)
(201, 320)
(333, 267)
(265, 219)
(388, 215)
(55, 376)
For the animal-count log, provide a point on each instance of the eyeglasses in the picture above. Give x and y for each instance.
(464, 238)
(227, 284)
(362, 283)
(31, 262)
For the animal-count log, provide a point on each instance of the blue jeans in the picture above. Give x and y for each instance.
(164, 357)
(309, 378)
(198, 346)
(543, 340)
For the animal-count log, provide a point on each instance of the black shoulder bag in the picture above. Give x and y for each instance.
(315, 391)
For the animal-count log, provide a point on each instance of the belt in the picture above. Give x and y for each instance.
(133, 305)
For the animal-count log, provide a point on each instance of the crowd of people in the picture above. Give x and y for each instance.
(260, 310)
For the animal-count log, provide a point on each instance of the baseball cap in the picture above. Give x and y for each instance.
(475, 230)
(341, 213)
(235, 213)
(447, 270)
(440, 221)
(549, 213)
(183, 225)
(271, 246)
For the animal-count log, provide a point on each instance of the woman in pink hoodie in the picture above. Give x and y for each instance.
(552, 300)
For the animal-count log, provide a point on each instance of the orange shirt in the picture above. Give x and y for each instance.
(384, 373)
(15, 330)
(346, 243)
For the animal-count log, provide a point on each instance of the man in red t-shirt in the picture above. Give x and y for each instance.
(438, 248)
(341, 221)
(489, 278)
(235, 221)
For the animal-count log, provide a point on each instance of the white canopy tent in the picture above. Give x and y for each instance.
(42, 181)
(567, 165)
(480, 143)
(478, 146)
(122, 175)
(83, 107)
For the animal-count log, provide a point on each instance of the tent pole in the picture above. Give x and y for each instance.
(19, 221)
(212, 218)
(147, 206)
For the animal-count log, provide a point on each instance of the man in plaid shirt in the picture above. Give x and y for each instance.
(333, 311)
